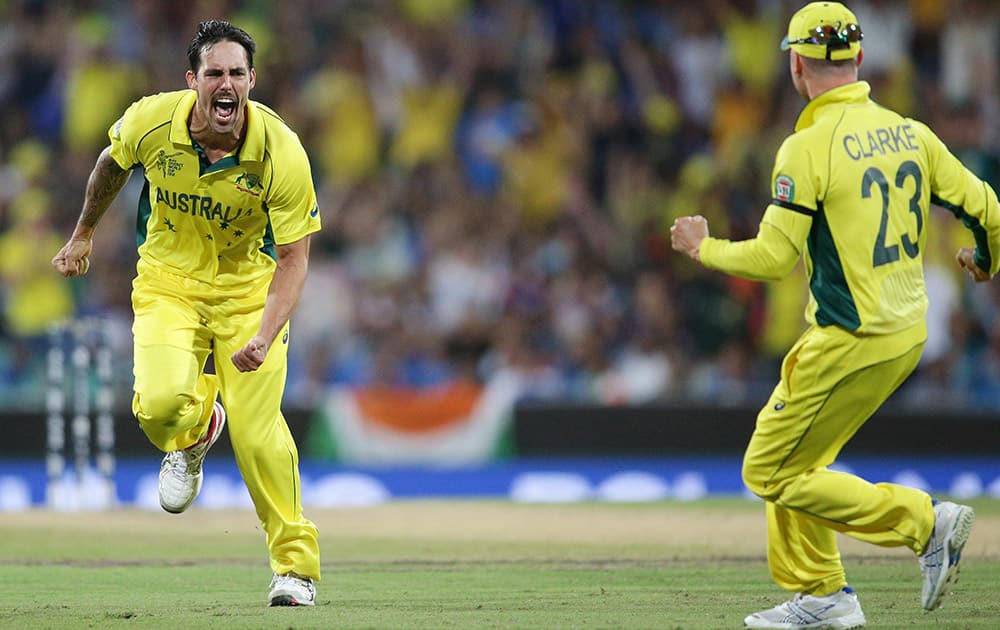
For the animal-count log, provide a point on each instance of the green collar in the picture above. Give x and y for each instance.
(204, 166)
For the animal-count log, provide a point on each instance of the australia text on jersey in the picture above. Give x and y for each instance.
(199, 204)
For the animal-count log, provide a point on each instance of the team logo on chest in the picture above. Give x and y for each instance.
(166, 164)
(249, 183)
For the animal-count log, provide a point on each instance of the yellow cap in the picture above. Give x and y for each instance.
(802, 29)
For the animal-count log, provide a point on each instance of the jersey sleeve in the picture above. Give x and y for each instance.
(291, 204)
(781, 236)
(125, 135)
(972, 201)
(771, 255)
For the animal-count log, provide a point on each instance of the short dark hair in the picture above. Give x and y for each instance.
(820, 64)
(215, 31)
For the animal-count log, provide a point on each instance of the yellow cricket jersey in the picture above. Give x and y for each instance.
(218, 223)
(852, 188)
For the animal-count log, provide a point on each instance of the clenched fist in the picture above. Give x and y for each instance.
(252, 355)
(73, 259)
(687, 233)
(965, 260)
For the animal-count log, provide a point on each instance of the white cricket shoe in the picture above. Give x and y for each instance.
(291, 590)
(939, 562)
(840, 610)
(180, 471)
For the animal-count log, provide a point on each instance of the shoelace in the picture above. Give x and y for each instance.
(281, 579)
(796, 613)
(291, 580)
(190, 458)
(177, 463)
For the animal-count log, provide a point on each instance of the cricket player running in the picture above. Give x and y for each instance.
(851, 192)
(223, 236)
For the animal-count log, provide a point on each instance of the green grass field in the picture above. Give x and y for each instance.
(453, 565)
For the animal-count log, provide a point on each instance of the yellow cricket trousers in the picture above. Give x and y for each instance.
(831, 382)
(179, 321)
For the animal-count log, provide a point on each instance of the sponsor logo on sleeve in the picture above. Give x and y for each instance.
(784, 188)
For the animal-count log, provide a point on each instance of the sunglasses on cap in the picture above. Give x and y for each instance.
(832, 36)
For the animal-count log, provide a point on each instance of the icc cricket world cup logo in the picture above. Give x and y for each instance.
(166, 164)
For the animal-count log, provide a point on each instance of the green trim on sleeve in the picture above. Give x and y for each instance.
(142, 215)
(268, 247)
(835, 304)
(794, 207)
(982, 257)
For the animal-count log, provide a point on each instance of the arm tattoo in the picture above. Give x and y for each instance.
(105, 182)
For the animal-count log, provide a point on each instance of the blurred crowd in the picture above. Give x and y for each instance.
(497, 179)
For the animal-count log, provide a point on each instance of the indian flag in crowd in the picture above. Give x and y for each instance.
(457, 423)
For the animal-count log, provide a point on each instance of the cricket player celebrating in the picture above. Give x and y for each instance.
(223, 235)
(851, 191)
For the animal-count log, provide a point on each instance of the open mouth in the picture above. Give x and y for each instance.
(224, 110)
